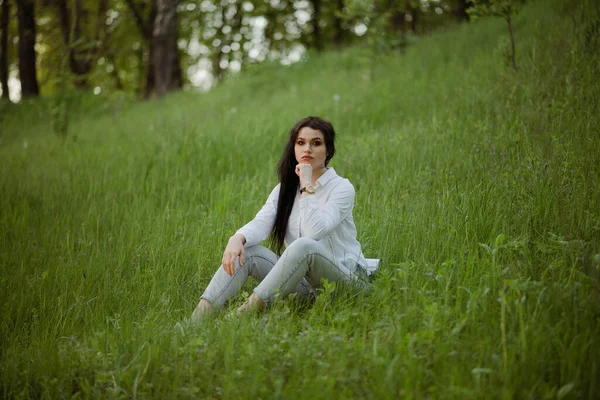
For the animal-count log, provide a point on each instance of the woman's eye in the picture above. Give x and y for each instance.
(316, 143)
(300, 142)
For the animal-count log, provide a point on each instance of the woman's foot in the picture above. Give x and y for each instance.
(253, 304)
(203, 310)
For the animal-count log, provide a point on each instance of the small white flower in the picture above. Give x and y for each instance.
(25, 144)
(336, 97)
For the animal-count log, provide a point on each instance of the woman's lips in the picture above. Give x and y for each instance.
(306, 158)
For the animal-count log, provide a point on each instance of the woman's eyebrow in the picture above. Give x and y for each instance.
(301, 138)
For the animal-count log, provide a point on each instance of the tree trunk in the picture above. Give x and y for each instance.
(176, 74)
(217, 55)
(167, 73)
(150, 87)
(78, 61)
(4, 48)
(217, 71)
(146, 28)
(399, 21)
(82, 53)
(414, 20)
(338, 31)
(65, 21)
(513, 52)
(316, 18)
(27, 67)
(461, 10)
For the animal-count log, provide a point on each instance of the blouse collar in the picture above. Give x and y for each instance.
(326, 177)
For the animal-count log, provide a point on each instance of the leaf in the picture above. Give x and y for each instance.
(487, 248)
(459, 327)
(565, 390)
(500, 239)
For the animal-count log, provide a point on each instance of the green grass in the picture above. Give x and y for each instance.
(477, 186)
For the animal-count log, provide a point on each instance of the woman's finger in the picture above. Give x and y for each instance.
(229, 268)
(242, 257)
(231, 264)
(226, 264)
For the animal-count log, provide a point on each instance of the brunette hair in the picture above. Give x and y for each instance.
(289, 181)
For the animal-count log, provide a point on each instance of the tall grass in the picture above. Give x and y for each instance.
(476, 185)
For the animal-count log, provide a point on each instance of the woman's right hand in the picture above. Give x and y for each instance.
(304, 172)
(234, 249)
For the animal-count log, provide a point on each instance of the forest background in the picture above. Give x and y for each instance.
(149, 47)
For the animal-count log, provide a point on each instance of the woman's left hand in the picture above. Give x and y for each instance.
(304, 172)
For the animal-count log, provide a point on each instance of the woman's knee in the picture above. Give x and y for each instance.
(302, 246)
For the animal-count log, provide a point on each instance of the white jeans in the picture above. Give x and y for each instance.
(300, 270)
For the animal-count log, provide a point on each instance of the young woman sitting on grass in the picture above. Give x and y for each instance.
(310, 211)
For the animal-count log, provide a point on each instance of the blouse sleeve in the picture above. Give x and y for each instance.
(261, 226)
(318, 222)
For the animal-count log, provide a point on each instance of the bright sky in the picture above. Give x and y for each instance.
(14, 87)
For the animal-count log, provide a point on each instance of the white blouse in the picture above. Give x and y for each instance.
(325, 216)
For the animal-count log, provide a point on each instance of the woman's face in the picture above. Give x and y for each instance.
(310, 148)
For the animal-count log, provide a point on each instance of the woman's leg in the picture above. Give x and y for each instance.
(258, 261)
(304, 258)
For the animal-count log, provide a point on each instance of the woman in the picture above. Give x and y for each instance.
(310, 211)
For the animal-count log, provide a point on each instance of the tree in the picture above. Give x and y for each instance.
(82, 35)
(4, 48)
(27, 67)
(146, 14)
(316, 25)
(398, 20)
(167, 73)
(499, 8)
(413, 11)
(338, 30)
(145, 25)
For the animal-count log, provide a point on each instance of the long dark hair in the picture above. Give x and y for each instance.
(286, 171)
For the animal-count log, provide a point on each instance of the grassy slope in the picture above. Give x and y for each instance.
(478, 188)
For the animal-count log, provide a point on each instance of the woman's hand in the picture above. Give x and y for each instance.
(234, 249)
(304, 172)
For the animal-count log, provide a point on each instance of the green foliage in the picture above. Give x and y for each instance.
(478, 188)
(497, 8)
